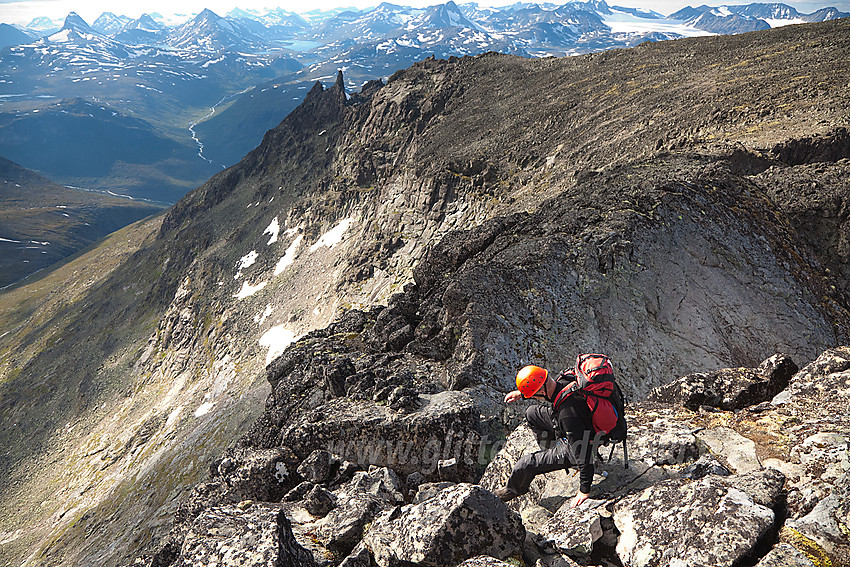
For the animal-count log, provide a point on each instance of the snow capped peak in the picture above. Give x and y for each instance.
(442, 16)
(240, 13)
(109, 24)
(44, 24)
(74, 22)
(721, 11)
(144, 23)
(207, 14)
(210, 31)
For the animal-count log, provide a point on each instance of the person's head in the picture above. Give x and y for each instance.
(530, 380)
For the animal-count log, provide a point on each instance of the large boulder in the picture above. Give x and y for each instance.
(729, 388)
(367, 433)
(696, 523)
(460, 522)
(258, 535)
(343, 527)
(257, 474)
(810, 421)
(573, 531)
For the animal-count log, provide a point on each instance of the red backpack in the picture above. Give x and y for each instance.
(595, 379)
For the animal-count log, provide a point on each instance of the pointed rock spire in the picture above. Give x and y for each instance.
(315, 91)
(339, 87)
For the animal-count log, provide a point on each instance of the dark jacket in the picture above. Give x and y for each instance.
(574, 424)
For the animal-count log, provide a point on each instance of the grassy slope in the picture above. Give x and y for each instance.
(35, 319)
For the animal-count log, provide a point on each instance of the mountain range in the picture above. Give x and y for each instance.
(178, 82)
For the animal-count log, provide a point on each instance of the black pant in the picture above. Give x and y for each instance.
(564, 443)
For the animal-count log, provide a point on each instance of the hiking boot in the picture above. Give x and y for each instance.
(504, 494)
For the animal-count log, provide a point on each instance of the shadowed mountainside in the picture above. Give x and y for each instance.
(42, 222)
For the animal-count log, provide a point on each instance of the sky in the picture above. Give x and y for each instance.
(23, 11)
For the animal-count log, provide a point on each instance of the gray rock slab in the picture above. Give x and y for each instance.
(260, 535)
(784, 555)
(366, 433)
(663, 441)
(461, 522)
(695, 523)
(738, 451)
(573, 531)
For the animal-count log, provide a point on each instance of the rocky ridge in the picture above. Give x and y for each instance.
(760, 481)
(507, 243)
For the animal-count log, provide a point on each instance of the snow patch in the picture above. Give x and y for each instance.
(260, 318)
(212, 62)
(334, 236)
(204, 409)
(622, 22)
(288, 256)
(60, 37)
(273, 229)
(245, 262)
(248, 290)
(276, 340)
(173, 417)
(778, 23)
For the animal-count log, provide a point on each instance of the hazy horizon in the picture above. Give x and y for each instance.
(22, 12)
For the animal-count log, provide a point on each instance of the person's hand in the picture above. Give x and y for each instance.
(513, 396)
(580, 497)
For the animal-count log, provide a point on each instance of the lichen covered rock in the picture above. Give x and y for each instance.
(696, 523)
(730, 388)
(460, 522)
(484, 561)
(230, 536)
(573, 531)
(367, 433)
(824, 532)
(342, 529)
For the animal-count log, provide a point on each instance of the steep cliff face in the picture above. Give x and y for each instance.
(642, 202)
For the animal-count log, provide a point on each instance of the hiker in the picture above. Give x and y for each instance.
(569, 419)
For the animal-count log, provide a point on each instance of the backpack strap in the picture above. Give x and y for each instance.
(563, 395)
